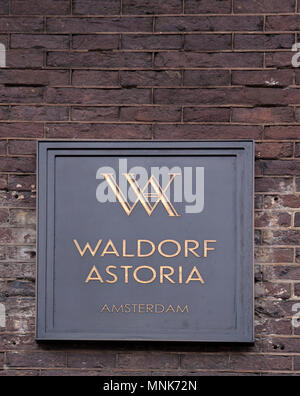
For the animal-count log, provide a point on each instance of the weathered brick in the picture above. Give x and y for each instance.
(21, 253)
(3, 145)
(36, 359)
(282, 237)
(265, 326)
(16, 130)
(94, 78)
(96, 96)
(17, 235)
(22, 182)
(274, 255)
(145, 7)
(4, 216)
(98, 59)
(207, 7)
(263, 41)
(290, 167)
(33, 77)
(42, 7)
(206, 132)
(274, 290)
(21, 95)
(297, 289)
(206, 114)
(92, 360)
(95, 42)
(209, 42)
(279, 60)
(17, 147)
(264, 6)
(21, 24)
(149, 360)
(282, 132)
(209, 24)
(254, 362)
(17, 164)
(263, 115)
(96, 7)
(281, 201)
(21, 58)
(20, 289)
(95, 25)
(149, 42)
(39, 113)
(17, 271)
(21, 217)
(17, 199)
(37, 41)
(151, 114)
(206, 78)
(89, 113)
(150, 78)
(273, 150)
(272, 219)
(207, 60)
(274, 184)
(297, 219)
(4, 7)
(269, 78)
(282, 23)
(98, 131)
(281, 272)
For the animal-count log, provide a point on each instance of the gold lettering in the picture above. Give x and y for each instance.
(87, 247)
(169, 255)
(107, 270)
(124, 250)
(126, 268)
(144, 267)
(206, 248)
(191, 249)
(98, 276)
(139, 248)
(113, 251)
(199, 277)
(167, 276)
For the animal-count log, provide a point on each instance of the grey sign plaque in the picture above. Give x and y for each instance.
(145, 241)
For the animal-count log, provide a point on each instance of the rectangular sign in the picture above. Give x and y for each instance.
(147, 241)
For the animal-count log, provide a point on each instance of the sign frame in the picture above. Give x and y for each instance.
(242, 150)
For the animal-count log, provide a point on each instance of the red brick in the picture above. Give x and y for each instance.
(274, 150)
(206, 114)
(21, 95)
(207, 60)
(149, 360)
(150, 78)
(297, 114)
(282, 23)
(36, 359)
(96, 7)
(274, 184)
(95, 78)
(151, 114)
(145, 7)
(39, 41)
(4, 113)
(208, 42)
(4, 7)
(95, 25)
(274, 255)
(209, 24)
(42, 7)
(20, 129)
(269, 78)
(21, 24)
(98, 360)
(279, 59)
(25, 58)
(255, 362)
(22, 182)
(95, 113)
(206, 132)
(206, 78)
(263, 41)
(96, 96)
(264, 6)
(149, 41)
(39, 113)
(17, 164)
(282, 132)
(281, 201)
(98, 131)
(98, 59)
(207, 7)
(96, 42)
(290, 167)
(263, 115)
(34, 77)
(272, 219)
(22, 147)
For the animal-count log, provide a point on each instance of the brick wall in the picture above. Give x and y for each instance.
(152, 69)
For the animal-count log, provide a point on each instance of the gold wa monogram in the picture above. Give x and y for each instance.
(142, 193)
